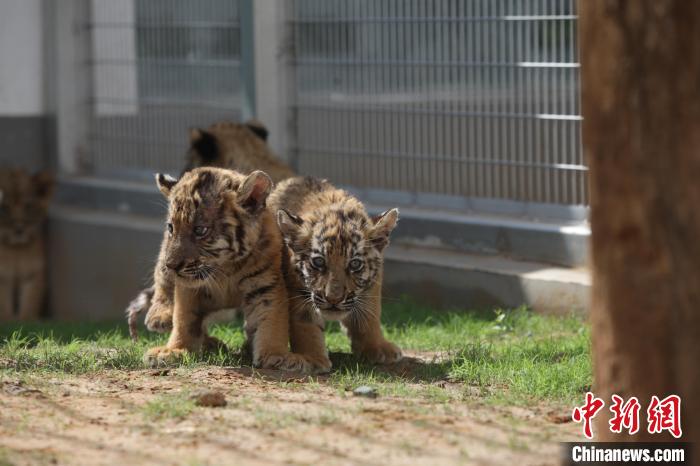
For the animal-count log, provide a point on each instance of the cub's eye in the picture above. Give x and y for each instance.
(170, 228)
(356, 265)
(200, 231)
(318, 262)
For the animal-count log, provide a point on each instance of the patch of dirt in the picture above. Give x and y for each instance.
(269, 418)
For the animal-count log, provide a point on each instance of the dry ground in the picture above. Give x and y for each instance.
(144, 416)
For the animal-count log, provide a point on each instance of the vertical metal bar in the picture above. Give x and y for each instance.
(452, 129)
(488, 83)
(528, 97)
(444, 117)
(502, 134)
(406, 142)
(392, 84)
(297, 48)
(433, 56)
(563, 109)
(479, 96)
(414, 31)
(461, 146)
(345, 116)
(471, 102)
(373, 55)
(515, 76)
(385, 117)
(247, 67)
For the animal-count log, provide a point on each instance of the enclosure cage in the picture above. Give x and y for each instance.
(450, 104)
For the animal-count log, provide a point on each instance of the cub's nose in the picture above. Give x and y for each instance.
(334, 299)
(174, 264)
(334, 292)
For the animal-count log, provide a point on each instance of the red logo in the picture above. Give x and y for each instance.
(587, 412)
(661, 415)
(665, 415)
(625, 415)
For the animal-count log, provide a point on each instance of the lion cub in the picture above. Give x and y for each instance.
(335, 263)
(24, 200)
(221, 250)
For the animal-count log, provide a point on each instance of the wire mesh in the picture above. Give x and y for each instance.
(468, 98)
(158, 68)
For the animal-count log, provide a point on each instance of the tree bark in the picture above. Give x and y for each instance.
(641, 133)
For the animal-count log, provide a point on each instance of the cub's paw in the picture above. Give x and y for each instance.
(269, 361)
(162, 356)
(384, 352)
(159, 318)
(212, 344)
(305, 364)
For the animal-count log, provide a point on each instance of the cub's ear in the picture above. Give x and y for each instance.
(384, 224)
(204, 144)
(252, 195)
(258, 128)
(43, 183)
(289, 224)
(195, 134)
(165, 183)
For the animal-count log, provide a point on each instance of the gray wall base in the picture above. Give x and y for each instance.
(99, 260)
(24, 142)
(447, 280)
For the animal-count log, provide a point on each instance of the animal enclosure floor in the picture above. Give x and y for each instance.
(474, 388)
(148, 417)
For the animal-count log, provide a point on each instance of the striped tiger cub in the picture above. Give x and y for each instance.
(225, 144)
(221, 250)
(333, 268)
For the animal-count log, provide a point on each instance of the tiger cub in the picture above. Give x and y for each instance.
(24, 200)
(221, 250)
(238, 146)
(335, 255)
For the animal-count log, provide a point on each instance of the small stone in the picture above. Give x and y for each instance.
(367, 392)
(209, 398)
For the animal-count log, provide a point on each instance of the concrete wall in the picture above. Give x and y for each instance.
(22, 92)
(105, 236)
(21, 56)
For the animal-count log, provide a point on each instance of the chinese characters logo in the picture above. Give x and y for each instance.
(662, 415)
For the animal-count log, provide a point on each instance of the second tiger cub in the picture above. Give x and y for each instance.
(335, 255)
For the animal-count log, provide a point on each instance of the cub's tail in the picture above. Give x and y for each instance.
(137, 306)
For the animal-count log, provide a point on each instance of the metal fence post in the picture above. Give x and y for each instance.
(266, 71)
(247, 70)
(71, 81)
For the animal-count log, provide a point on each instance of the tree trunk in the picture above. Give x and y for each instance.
(641, 134)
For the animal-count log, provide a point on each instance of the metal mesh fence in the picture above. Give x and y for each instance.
(464, 98)
(158, 68)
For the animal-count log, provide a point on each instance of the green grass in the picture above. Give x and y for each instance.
(513, 356)
(176, 406)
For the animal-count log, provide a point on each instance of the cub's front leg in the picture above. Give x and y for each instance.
(160, 313)
(31, 296)
(6, 299)
(366, 337)
(266, 312)
(307, 336)
(188, 333)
